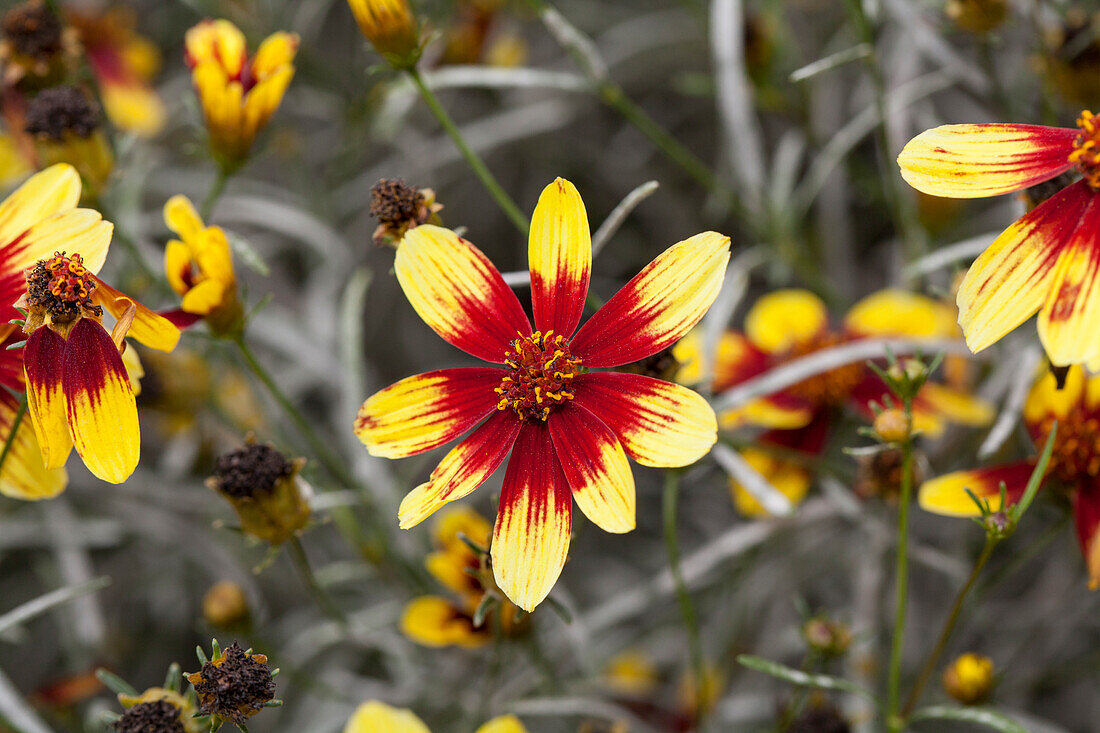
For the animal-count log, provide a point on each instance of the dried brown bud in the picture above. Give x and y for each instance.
(234, 686)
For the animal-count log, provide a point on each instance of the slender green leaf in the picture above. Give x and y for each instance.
(45, 602)
(800, 678)
(246, 253)
(978, 716)
(1036, 479)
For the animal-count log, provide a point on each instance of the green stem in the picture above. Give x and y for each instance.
(15, 423)
(687, 609)
(504, 201)
(215, 192)
(301, 564)
(948, 628)
(894, 723)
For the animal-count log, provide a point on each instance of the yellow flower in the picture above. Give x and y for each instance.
(788, 477)
(238, 94)
(977, 16)
(391, 27)
(969, 679)
(199, 267)
(631, 673)
(378, 717)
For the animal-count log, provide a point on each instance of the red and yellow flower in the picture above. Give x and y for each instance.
(199, 267)
(1047, 262)
(787, 324)
(569, 429)
(238, 94)
(1074, 463)
(78, 391)
(440, 621)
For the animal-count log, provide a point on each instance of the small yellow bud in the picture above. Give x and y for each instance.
(225, 605)
(969, 679)
(892, 425)
(390, 26)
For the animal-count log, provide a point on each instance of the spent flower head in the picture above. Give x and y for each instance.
(233, 685)
(263, 486)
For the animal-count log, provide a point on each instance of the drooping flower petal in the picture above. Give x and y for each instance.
(657, 307)
(43, 363)
(785, 318)
(973, 161)
(24, 475)
(535, 517)
(1070, 319)
(53, 190)
(1086, 510)
(148, 327)
(658, 423)
(434, 621)
(101, 409)
(596, 468)
(1012, 279)
(426, 410)
(947, 494)
(560, 255)
(376, 717)
(457, 291)
(467, 466)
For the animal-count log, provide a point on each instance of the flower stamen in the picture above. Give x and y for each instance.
(541, 371)
(62, 287)
(1086, 149)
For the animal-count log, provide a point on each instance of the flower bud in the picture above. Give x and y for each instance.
(264, 488)
(969, 679)
(390, 26)
(827, 637)
(225, 605)
(892, 425)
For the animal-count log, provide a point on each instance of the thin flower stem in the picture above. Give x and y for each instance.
(215, 192)
(301, 564)
(948, 628)
(15, 423)
(687, 609)
(894, 722)
(504, 201)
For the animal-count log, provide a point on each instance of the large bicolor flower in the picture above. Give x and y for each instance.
(238, 94)
(1048, 261)
(78, 391)
(569, 429)
(787, 324)
(1074, 463)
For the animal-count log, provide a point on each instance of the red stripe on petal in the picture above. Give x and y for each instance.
(947, 494)
(1086, 510)
(560, 255)
(1070, 319)
(531, 535)
(43, 363)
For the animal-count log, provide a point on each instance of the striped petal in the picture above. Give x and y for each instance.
(101, 408)
(560, 255)
(657, 307)
(24, 475)
(427, 410)
(1013, 278)
(458, 292)
(596, 468)
(535, 517)
(973, 161)
(947, 494)
(43, 363)
(781, 411)
(75, 231)
(738, 359)
(148, 327)
(785, 318)
(53, 190)
(434, 621)
(1086, 510)
(658, 423)
(467, 466)
(1070, 319)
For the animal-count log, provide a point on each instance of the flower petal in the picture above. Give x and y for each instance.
(658, 423)
(426, 410)
(434, 621)
(458, 292)
(43, 363)
(738, 359)
(785, 318)
(1070, 319)
(897, 312)
(101, 408)
(782, 411)
(1086, 510)
(596, 468)
(531, 536)
(53, 190)
(790, 479)
(560, 256)
(148, 327)
(378, 717)
(935, 404)
(1014, 276)
(24, 475)
(947, 494)
(973, 161)
(502, 724)
(467, 466)
(658, 306)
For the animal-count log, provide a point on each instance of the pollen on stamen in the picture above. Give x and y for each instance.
(1086, 149)
(541, 369)
(62, 287)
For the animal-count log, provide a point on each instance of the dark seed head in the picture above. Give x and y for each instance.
(62, 110)
(159, 716)
(33, 30)
(394, 203)
(253, 469)
(235, 686)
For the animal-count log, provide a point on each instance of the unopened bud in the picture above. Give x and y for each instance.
(969, 679)
(892, 425)
(827, 637)
(225, 605)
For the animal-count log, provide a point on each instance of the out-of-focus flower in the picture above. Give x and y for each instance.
(238, 94)
(199, 266)
(270, 499)
(158, 709)
(879, 474)
(225, 605)
(391, 28)
(124, 64)
(693, 697)
(439, 621)
(71, 689)
(1071, 62)
(969, 679)
(66, 127)
(474, 36)
(77, 387)
(783, 457)
(35, 48)
(14, 165)
(1045, 262)
(234, 685)
(632, 673)
(378, 717)
(399, 207)
(977, 16)
(1074, 462)
(827, 636)
(571, 429)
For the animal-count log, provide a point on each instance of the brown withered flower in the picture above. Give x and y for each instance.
(35, 47)
(66, 127)
(399, 207)
(234, 685)
(159, 716)
(263, 486)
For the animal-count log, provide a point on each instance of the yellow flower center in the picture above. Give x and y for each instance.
(62, 287)
(1076, 453)
(830, 388)
(1086, 149)
(540, 371)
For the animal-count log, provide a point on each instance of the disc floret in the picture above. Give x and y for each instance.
(540, 373)
(61, 287)
(1086, 148)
